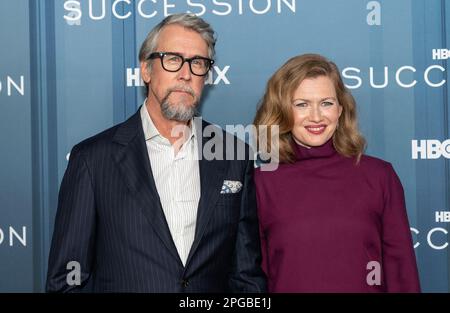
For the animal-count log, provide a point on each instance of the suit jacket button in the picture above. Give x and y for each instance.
(184, 283)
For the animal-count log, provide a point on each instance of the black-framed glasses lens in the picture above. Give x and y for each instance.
(172, 62)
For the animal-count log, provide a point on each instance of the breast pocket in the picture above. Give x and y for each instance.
(230, 199)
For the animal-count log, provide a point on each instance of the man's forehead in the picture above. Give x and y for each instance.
(186, 41)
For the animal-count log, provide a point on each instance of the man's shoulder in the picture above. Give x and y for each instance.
(231, 139)
(104, 139)
(234, 132)
(208, 129)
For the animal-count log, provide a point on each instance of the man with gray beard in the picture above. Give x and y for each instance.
(141, 207)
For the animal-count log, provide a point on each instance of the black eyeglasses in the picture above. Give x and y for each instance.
(173, 62)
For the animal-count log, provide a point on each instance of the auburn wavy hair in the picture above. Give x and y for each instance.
(276, 107)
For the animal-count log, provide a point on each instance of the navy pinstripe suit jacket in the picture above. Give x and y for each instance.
(111, 222)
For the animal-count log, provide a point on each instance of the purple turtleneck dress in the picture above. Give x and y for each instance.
(323, 219)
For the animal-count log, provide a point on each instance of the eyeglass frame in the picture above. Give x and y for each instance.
(160, 55)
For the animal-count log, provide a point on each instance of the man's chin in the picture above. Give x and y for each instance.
(182, 99)
(182, 108)
(179, 114)
(181, 104)
(183, 118)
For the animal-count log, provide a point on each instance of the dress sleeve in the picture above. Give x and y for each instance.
(399, 261)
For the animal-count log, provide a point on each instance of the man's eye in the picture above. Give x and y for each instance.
(198, 62)
(173, 58)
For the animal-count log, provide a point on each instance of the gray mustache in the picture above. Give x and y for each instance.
(182, 88)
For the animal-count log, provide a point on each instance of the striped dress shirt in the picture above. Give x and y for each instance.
(177, 180)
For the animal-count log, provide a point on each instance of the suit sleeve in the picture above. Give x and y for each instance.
(399, 261)
(74, 231)
(247, 275)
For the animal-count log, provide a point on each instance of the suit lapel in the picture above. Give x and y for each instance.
(134, 164)
(211, 179)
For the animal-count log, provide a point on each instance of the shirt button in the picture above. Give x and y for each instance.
(184, 283)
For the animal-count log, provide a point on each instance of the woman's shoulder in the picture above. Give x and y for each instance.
(375, 165)
(271, 172)
(267, 170)
(370, 160)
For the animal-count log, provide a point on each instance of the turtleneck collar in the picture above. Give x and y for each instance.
(324, 151)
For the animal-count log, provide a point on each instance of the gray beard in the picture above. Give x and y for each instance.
(180, 112)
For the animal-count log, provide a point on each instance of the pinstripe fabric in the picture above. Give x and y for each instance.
(177, 180)
(111, 221)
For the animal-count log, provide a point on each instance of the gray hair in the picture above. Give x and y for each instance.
(189, 21)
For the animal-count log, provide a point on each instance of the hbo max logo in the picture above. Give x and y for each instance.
(430, 149)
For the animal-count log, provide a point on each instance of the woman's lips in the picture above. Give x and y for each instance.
(316, 129)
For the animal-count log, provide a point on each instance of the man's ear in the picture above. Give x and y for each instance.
(145, 72)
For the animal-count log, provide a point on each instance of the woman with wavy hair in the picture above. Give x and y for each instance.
(332, 219)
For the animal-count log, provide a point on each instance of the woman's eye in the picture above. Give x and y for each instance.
(300, 104)
(327, 103)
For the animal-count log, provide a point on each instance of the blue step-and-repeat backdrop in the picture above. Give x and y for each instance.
(69, 69)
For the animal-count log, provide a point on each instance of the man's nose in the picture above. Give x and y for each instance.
(185, 72)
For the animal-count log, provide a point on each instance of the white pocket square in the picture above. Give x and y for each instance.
(231, 186)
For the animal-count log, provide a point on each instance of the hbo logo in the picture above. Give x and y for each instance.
(441, 54)
(430, 149)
